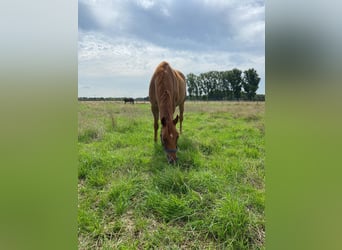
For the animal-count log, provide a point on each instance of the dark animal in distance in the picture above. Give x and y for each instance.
(167, 91)
(131, 100)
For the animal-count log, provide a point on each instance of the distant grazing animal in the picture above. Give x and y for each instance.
(131, 100)
(167, 91)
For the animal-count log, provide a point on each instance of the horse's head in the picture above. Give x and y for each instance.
(169, 137)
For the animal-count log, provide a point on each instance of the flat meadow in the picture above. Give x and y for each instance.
(129, 197)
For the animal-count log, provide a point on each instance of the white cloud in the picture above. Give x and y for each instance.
(146, 4)
(124, 41)
(251, 35)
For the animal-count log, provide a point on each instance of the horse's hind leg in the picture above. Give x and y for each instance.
(181, 110)
(155, 112)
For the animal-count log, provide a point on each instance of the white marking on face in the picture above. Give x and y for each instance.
(171, 135)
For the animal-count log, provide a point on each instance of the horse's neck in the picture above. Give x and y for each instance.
(167, 113)
(166, 106)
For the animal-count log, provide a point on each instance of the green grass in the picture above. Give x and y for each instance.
(131, 198)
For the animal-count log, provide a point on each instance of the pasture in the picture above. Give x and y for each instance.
(129, 197)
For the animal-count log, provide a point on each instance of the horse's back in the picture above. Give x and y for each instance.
(158, 81)
(166, 78)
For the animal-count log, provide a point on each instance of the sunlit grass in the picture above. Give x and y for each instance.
(130, 198)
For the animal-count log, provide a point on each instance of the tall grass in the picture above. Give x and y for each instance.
(130, 198)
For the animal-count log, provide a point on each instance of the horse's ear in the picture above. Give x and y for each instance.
(163, 121)
(175, 120)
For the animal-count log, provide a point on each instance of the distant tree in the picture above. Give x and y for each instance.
(218, 85)
(208, 84)
(191, 82)
(225, 85)
(215, 92)
(204, 84)
(250, 83)
(235, 80)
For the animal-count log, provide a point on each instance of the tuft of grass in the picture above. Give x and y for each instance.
(229, 223)
(88, 222)
(97, 180)
(167, 207)
(121, 193)
(171, 180)
(131, 198)
(205, 182)
(89, 135)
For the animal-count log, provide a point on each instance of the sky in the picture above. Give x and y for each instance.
(121, 42)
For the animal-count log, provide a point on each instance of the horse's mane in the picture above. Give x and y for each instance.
(165, 96)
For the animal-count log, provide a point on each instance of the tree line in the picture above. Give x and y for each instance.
(213, 85)
(224, 85)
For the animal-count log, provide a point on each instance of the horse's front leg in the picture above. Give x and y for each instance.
(181, 110)
(155, 112)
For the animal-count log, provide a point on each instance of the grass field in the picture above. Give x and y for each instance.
(130, 198)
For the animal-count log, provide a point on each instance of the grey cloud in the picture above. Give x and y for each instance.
(189, 25)
(121, 42)
(86, 19)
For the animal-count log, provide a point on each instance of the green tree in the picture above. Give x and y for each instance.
(217, 87)
(191, 82)
(205, 84)
(225, 85)
(212, 79)
(235, 80)
(250, 83)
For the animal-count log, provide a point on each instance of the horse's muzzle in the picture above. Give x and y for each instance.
(171, 160)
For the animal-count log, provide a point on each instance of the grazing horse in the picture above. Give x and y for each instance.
(131, 100)
(167, 91)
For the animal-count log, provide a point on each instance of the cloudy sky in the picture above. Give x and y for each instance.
(120, 42)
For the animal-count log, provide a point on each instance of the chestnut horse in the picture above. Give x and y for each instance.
(167, 91)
